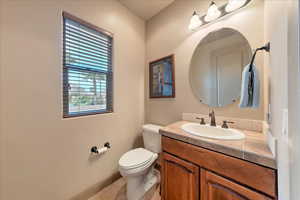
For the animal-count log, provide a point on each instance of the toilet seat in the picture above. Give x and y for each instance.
(136, 158)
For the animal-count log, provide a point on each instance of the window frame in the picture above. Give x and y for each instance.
(109, 87)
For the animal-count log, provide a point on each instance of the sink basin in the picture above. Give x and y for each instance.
(212, 132)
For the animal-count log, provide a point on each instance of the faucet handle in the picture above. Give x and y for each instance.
(202, 122)
(225, 124)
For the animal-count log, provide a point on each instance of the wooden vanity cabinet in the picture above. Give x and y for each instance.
(193, 173)
(181, 179)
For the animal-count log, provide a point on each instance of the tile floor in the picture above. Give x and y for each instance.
(117, 191)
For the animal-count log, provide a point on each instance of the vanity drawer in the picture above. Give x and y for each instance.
(252, 175)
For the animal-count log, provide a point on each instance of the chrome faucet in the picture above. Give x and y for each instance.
(212, 118)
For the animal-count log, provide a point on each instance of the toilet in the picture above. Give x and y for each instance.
(137, 165)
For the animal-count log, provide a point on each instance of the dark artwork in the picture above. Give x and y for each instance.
(162, 84)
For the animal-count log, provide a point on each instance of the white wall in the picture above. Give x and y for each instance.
(167, 33)
(294, 98)
(277, 65)
(284, 90)
(45, 156)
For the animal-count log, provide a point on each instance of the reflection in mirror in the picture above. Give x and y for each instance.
(217, 65)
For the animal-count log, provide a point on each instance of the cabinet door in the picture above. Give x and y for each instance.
(180, 179)
(214, 187)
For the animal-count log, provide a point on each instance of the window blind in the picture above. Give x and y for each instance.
(87, 68)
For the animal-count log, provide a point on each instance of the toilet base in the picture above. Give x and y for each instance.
(138, 186)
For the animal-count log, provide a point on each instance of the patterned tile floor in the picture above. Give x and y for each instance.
(117, 191)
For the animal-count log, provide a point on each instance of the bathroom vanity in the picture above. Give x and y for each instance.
(205, 162)
(206, 169)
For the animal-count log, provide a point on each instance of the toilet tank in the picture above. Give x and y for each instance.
(152, 138)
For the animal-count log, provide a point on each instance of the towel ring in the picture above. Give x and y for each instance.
(266, 48)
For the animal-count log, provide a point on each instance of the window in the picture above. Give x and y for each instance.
(87, 68)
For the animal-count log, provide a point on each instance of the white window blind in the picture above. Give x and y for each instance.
(87, 68)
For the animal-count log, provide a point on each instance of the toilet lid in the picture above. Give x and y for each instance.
(135, 158)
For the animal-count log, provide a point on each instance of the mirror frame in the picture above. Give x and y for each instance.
(191, 61)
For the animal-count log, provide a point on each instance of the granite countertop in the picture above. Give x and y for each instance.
(253, 148)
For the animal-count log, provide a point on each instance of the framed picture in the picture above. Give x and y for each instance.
(161, 78)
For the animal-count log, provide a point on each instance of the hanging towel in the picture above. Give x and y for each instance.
(250, 89)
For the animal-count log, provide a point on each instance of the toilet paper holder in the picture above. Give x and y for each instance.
(105, 147)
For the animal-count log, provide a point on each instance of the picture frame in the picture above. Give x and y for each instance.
(162, 77)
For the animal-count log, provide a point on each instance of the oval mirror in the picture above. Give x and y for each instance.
(216, 67)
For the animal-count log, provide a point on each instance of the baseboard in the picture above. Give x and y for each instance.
(93, 190)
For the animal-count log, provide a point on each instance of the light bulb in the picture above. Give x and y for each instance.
(213, 12)
(234, 4)
(195, 21)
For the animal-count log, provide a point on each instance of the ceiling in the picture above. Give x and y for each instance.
(146, 8)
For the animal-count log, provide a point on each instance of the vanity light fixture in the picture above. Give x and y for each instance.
(234, 4)
(195, 21)
(214, 12)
